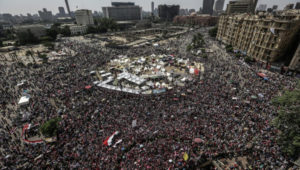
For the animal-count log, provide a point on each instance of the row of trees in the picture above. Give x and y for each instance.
(288, 121)
(197, 42)
(27, 37)
(103, 25)
(6, 35)
(56, 29)
(213, 32)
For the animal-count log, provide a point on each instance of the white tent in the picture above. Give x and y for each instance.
(24, 100)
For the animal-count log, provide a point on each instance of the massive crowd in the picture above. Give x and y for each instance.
(218, 107)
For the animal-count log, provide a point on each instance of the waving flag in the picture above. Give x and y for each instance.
(108, 140)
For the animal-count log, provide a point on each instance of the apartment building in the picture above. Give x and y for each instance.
(261, 36)
(84, 17)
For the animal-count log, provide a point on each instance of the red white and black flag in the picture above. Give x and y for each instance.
(109, 140)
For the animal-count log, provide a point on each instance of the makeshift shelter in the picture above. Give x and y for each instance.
(262, 75)
(88, 87)
(24, 100)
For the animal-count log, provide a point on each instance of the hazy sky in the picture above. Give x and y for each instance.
(32, 6)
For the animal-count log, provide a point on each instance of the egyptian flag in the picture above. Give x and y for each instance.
(109, 140)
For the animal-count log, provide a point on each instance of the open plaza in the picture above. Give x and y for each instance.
(139, 105)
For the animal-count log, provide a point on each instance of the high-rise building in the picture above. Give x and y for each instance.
(191, 11)
(262, 7)
(168, 12)
(200, 20)
(45, 15)
(152, 8)
(123, 11)
(68, 7)
(270, 10)
(289, 6)
(84, 17)
(183, 12)
(275, 7)
(208, 6)
(241, 6)
(8, 18)
(297, 5)
(264, 37)
(219, 5)
(61, 11)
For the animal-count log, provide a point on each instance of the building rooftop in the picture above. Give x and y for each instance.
(117, 4)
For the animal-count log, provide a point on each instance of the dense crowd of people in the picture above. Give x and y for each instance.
(218, 107)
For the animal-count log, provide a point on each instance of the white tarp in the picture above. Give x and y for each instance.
(24, 100)
(134, 123)
(132, 78)
(192, 70)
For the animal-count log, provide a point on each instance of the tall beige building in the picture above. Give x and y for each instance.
(264, 36)
(241, 6)
(84, 17)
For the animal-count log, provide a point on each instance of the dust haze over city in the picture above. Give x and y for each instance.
(158, 84)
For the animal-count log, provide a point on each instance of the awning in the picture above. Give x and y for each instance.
(262, 75)
(88, 87)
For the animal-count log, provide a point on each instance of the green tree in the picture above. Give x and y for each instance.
(7, 34)
(49, 128)
(213, 32)
(49, 45)
(27, 37)
(46, 39)
(54, 31)
(288, 121)
(249, 59)
(189, 47)
(1, 43)
(91, 29)
(229, 48)
(105, 24)
(66, 31)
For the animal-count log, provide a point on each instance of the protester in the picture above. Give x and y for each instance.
(218, 107)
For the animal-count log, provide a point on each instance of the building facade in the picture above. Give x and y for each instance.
(62, 12)
(219, 5)
(123, 11)
(275, 7)
(45, 15)
(295, 63)
(260, 36)
(168, 12)
(297, 6)
(208, 6)
(200, 20)
(84, 17)
(78, 29)
(262, 7)
(241, 6)
(289, 6)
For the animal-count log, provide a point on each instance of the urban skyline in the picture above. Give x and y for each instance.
(21, 7)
